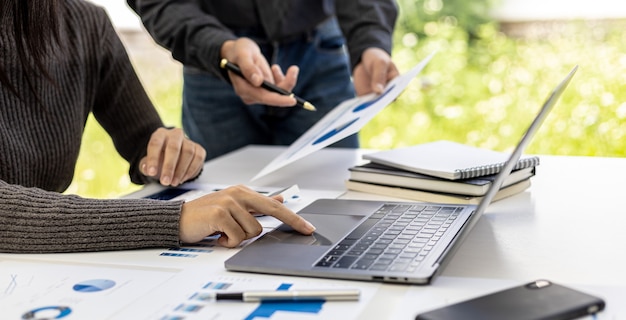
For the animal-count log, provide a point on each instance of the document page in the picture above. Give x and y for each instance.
(344, 120)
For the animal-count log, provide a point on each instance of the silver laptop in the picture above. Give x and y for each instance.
(399, 242)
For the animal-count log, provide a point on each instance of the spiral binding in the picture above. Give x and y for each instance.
(486, 170)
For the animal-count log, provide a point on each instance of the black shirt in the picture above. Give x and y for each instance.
(194, 30)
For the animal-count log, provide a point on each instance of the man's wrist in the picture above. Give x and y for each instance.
(226, 47)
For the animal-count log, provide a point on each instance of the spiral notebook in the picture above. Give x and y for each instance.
(448, 160)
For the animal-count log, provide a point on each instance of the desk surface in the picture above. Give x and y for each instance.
(568, 228)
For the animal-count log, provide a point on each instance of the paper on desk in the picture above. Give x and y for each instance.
(344, 120)
(294, 197)
(40, 290)
(188, 296)
(46, 290)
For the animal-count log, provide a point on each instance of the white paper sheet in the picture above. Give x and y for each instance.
(344, 120)
(189, 300)
(39, 290)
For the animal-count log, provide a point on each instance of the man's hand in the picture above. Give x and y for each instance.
(373, 72)
(229, 212)
(172, 158)
(246, 54)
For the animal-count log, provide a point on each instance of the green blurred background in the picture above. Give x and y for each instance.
(482, 88)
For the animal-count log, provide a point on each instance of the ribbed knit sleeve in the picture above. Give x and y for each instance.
(37, 221)
(40, 138)
(120, 103)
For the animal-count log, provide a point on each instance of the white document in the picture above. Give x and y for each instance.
(344, 120)
(55, 290)
(188, 296)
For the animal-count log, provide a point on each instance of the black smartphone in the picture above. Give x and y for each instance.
(539, 299)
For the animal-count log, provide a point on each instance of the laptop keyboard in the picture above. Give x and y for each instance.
(396, 238)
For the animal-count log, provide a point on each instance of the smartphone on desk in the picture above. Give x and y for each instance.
(539, 299)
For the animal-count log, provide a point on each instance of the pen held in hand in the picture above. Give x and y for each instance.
(225, 64)
(289, 295)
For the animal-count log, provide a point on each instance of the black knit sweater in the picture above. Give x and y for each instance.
(40, 137)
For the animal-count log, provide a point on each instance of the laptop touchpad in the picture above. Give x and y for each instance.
(330, 229)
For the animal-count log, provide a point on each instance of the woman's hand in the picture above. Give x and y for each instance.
(229, 212)
(172, 158)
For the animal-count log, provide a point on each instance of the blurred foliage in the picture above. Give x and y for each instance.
(485, 91)
(420, 17)
(482, 88)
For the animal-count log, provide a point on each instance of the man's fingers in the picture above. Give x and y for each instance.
(255, 69)
(379, 75)
(257, 95)
(392, 71)
(251, 72)
(286, 81)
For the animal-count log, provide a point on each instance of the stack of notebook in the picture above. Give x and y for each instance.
(440, 171)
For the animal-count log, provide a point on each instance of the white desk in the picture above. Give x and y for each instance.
(568, 228)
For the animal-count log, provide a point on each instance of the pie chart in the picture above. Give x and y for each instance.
(95, 285)
(47, 313)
